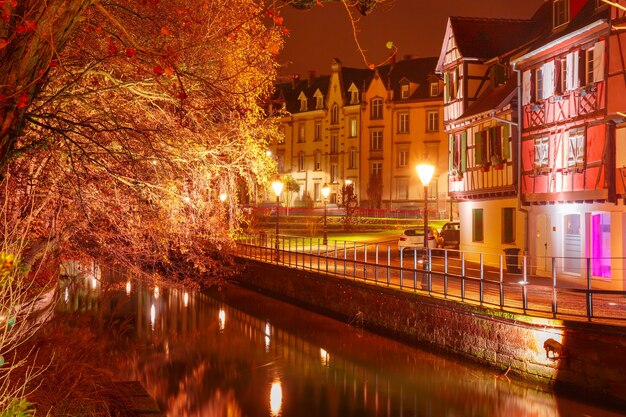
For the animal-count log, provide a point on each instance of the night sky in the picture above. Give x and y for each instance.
(416, 27)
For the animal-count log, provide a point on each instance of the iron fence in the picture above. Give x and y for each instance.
(494, 281)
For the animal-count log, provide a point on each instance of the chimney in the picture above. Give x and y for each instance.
(311, 77)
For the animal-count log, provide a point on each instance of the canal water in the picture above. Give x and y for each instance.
(232, 352)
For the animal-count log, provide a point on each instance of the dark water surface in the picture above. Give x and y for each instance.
(234, 352)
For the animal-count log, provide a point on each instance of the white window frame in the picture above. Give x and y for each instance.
(542, 152)
(376, 140)
(376, 110)
(353, 129)
(576, 148)
(403, 157)
(432, 121)
(403, 122)
(434, 89)
(377, 168)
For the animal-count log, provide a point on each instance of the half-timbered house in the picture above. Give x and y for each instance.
(572, 111)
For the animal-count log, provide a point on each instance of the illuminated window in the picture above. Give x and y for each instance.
(601, 245)
(303, 102)
(404, 90)
(589, 79)
(376, 109)
(316, 191)
(319, 100)
(354, 94)
(353, 128)
(434, 89)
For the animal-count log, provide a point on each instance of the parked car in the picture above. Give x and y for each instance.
(414, 239)
(451, 235)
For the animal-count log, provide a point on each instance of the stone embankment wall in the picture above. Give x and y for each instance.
(591, 355)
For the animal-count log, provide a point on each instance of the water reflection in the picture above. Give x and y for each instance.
(275, 359)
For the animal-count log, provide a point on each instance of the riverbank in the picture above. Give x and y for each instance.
(565, 355)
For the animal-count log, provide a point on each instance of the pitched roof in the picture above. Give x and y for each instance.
(495, 99)
(415, 70)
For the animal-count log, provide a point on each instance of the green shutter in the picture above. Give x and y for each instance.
(506, 144)
(478, 148)
(463, 151)
(446, 88)
(451, 152)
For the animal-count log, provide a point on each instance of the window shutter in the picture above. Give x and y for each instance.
(446, 90)
(548, 79)
(506, 144)
(451, 152)
(557, 76)
(526, 87)
(598, 61)
(463, 151)
(478, 148)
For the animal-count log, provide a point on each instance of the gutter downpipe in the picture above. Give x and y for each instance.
(518, 158)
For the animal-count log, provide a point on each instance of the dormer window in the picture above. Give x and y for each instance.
(405, 90)
(319, 99)
(354, 94)
(560, 12)
(303, 102)
(434, 89)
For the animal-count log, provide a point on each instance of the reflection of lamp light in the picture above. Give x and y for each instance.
(276, 397)
(222, 319)
(186, 299)
(223, 197)
(128, 287)
(325, 356)
(152, 316)
(94, 283)
(156, 292)
(66, 297)
(425, 172)
(268, 333)
(325, 193)
(278, 188)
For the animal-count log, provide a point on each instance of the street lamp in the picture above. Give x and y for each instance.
(278, 188)
(425, 172)
(223, 197)
(325, 193)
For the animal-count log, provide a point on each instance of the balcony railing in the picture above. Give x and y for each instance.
(494, 281)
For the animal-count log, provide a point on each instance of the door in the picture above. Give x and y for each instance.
(541, 244)
(572, 244)
(601, 245)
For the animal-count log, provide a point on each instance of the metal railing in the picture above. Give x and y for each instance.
(494, 281)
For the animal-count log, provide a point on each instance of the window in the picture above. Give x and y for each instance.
(434, 89)
(377, 168)
(561, 12)
(354, 94)
(316, 191)
(376, 140)
(562, 75)
(334, 114)
(319, 100)
(333, 173)
(281, 162)
(301, 161)
(508, 225)
(405, 90)
(318, 131)
(352, 158)
(589, 66)
(542, 155)
(334, 143)
(318, 161)
(402, 189)
(301, 132)
(576, 148)
(403, 157)
(433, 121)
(376, 109)
(403, 122)
(303, 102)
(477, 225)
(353, 130)
(539, 83)
(601, 245)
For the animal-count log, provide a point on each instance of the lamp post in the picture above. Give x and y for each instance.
(325, 193)
(278, 188)
(425, 172)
